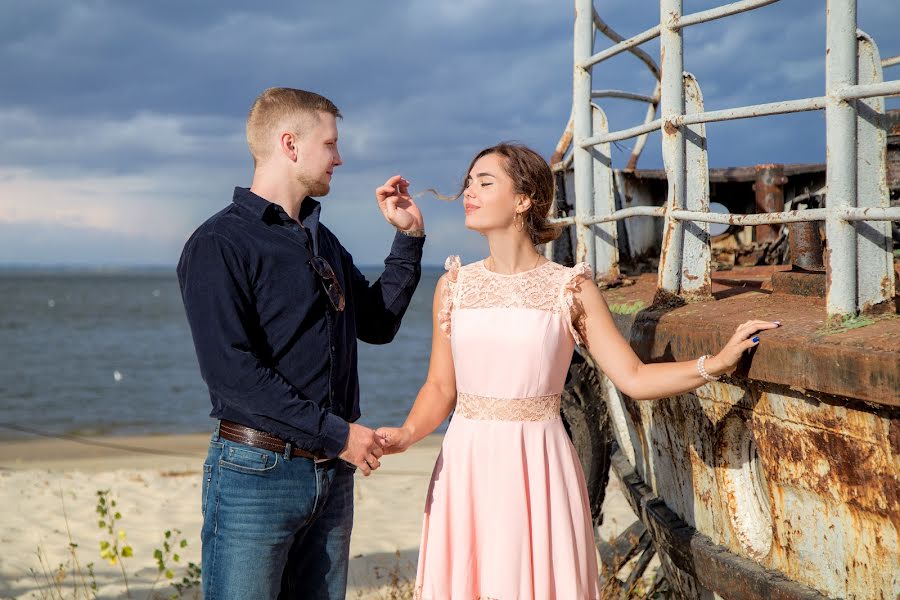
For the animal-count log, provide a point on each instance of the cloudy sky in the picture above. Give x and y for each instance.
(123, 121)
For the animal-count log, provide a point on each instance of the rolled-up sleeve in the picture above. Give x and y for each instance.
(217, 295)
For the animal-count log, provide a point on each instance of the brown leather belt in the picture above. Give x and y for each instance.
(235, 432)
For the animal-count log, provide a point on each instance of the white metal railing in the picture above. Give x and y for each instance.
(860, 263)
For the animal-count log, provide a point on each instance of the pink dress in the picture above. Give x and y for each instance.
(507, 514)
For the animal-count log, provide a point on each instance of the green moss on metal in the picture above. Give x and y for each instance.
(627, 308)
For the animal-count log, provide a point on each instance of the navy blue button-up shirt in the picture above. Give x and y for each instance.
(274, 353)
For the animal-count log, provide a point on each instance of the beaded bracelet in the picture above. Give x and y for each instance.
(701, 368)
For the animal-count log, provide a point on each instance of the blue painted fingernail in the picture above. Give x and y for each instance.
(756, 339)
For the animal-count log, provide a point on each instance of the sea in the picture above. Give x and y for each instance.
(109, 352)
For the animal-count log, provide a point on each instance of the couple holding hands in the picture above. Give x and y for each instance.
(276, 306)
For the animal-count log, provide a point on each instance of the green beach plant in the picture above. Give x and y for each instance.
(72, 580)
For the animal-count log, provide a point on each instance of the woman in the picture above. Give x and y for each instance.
(507, 513)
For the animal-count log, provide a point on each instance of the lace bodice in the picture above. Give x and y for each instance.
(549, 287)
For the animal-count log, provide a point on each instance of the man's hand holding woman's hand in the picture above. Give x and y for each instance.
(363, 449)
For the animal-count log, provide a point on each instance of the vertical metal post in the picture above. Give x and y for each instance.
(605, 234)
(695, 277)
(841, 149)
(875, 264)
(581, 107)
(672, 105)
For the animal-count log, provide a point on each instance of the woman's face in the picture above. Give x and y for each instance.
(489, 197)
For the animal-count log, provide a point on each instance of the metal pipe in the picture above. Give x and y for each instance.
(609, 32)
(564, 165)
(756, 110)
(840, 152)
(622, 95)
(622, 134)
(622, 46)
(726, 10)
(565, 140)
(875, 213)
(806, 246)
(791, 216)
(642, 139)
(890, 62)
(673, 150)
(886, 88)
(582, 129)
(769, 191)
(625, 213)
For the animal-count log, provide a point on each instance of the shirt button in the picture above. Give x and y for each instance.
(333, 348)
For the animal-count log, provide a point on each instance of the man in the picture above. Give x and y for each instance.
(275, 305)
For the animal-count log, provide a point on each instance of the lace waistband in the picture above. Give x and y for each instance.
(536, 408)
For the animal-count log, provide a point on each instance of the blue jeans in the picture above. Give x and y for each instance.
(274, 527)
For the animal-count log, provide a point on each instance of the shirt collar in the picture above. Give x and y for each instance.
(260, 207)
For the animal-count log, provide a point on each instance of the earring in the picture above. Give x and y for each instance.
(519, 222)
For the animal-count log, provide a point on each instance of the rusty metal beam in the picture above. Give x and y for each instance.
(731, 576)
(705, 16)
(869, 90)
(756, 110)
(609, 32)
(622, 46)
(623, 134)
(622, 95)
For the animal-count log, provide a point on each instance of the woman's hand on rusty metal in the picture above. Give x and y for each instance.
(745, 337)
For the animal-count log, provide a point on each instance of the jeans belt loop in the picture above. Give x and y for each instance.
(216, 432)
(288, 450)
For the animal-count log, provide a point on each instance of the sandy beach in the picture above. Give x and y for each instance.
(48, 487)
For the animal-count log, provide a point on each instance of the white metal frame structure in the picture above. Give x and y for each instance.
(859, 259)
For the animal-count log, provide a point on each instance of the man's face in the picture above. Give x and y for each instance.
(317, 154)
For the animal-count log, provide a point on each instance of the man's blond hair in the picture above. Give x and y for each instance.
(283, 107)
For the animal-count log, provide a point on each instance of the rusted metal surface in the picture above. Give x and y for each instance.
(769, 188)
(806, 246)
(689, 552)
(803, 353)
(828, 470)
(799, 283)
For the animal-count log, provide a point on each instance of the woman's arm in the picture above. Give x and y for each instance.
(615, 357)
(436, 398)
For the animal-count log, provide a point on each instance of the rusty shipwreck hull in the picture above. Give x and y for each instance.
(783, 480)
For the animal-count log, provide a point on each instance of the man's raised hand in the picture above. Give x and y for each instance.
(397, 206)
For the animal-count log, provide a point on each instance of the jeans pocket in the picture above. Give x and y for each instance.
(249, 460)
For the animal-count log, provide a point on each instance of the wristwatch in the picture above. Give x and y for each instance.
(412, 232)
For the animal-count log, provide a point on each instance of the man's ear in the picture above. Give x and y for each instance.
(287, 143)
